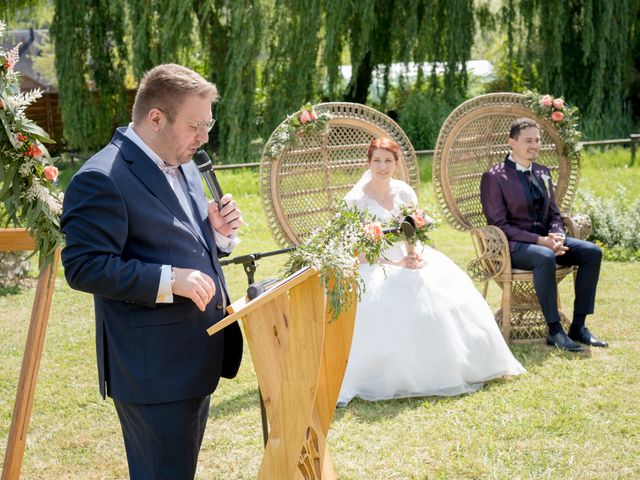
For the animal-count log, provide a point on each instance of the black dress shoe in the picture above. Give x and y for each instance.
(563, 342)
(586, 337)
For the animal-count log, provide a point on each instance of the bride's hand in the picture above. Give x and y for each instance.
(412, 261)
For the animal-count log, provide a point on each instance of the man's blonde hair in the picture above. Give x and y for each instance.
(165, 86)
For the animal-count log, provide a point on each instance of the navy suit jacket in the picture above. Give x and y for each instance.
(507, 203)
(122, 222)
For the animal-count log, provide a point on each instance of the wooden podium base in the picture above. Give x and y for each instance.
(300, 355)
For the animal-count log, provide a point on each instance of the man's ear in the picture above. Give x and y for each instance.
(512, 142)
(156, 119)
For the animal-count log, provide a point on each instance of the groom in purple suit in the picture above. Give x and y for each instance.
(517, 196)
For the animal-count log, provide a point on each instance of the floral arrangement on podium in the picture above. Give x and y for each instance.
(351, 236)
(563, 116)
(27, 174)
(309, 120)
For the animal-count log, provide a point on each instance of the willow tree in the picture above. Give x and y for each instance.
(379, 32)
(580, 49)
(237, 105)
(291, 74)
(90, 56)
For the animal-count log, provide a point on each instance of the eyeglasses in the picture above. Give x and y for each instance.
(203, 125)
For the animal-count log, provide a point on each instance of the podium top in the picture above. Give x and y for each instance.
(241, 307)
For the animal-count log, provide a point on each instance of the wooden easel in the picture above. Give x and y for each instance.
(300, 356)
(11, 240)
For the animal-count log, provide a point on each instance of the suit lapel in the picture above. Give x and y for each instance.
(150, 175)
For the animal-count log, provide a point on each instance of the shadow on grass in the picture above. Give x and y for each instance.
(234, 405)
(538, 353)
(374, 412)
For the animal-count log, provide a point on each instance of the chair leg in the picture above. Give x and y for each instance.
(506, 311)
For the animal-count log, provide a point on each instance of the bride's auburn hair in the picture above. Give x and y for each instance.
(384, 143)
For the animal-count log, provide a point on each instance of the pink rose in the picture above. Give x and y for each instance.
(545, 101)
(557, 116)
(373, 231)
(305, 117)
(51, 172)
(558, 104)
(313, 115)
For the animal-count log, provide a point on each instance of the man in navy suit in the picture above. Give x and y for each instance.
(517, 196)
(143, 239)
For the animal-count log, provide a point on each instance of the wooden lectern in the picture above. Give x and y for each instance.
(300, 355)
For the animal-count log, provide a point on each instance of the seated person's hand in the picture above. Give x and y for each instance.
(225, 220)
(555, 242)
(412, 261)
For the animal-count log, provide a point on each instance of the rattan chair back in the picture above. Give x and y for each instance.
(301, 187)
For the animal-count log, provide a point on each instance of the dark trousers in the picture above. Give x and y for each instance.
(586, 255)
(162, 441)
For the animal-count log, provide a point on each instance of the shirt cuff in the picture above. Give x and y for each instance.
(165, 293)
(225, 244)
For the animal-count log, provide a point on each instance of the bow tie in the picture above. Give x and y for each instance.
(171, 170)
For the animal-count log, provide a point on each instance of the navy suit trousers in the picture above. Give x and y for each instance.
(586, 255)
(162, 440)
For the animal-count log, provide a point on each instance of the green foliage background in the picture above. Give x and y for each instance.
(268, 57)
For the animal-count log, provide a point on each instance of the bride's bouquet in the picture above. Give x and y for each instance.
(412, 225)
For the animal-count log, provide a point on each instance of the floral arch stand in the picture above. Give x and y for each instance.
(15, 240)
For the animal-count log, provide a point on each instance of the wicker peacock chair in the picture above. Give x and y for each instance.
(301, 186)
(472, 140)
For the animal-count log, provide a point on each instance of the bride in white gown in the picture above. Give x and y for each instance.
(421, 328)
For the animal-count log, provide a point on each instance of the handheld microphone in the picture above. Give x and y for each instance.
(203, 162)
(258, 288)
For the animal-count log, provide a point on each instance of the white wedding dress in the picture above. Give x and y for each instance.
(419, 332)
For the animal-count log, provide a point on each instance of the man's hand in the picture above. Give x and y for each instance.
(194, 284)
(226, 220)
(555, 242)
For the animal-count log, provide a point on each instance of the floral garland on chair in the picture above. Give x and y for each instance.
(306, 121)
(562, 116)
(27, 174)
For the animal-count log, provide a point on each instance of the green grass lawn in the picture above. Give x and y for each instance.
(569, 417)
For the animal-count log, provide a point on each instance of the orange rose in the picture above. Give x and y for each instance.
(33, 151)
(51, 173)
(419, 219)
(557, 116)
(373, 231)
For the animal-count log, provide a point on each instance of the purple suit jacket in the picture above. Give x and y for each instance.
(507, 204)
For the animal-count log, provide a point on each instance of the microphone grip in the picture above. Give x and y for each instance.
(214, 186)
